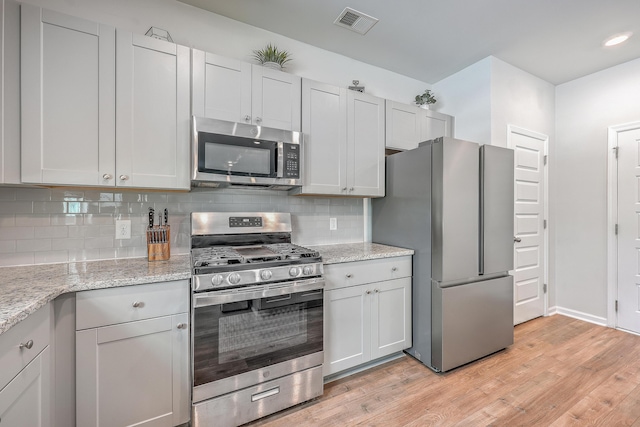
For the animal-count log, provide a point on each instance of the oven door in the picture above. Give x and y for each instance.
(245, 336)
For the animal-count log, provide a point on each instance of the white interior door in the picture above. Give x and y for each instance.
(628, 295)
(529, 223)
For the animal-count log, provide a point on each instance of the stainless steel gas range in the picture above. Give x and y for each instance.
(257, 318)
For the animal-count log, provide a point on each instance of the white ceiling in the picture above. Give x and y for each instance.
(556, 40)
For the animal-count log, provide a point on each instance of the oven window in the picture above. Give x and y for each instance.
(235, 159)
(230, 339)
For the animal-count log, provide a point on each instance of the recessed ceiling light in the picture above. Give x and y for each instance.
(617, 39)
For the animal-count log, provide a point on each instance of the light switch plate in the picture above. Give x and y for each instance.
(123, 229)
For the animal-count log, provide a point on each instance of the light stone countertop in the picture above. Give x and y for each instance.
(24, 289)
(349, 252)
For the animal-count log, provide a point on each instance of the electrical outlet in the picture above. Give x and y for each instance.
(123, 229)
(333, 223)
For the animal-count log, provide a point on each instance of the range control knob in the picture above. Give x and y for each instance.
(307, 270)
(234, 278)
(294, 271)
(265, 274)
(217, 280)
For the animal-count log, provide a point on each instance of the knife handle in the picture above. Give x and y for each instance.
(166, 216)
(151, 214)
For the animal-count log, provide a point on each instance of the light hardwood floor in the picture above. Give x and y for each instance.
(559, 372)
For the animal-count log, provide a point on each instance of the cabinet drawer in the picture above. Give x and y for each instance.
(360, 272)
(125, 304)
(35, 328)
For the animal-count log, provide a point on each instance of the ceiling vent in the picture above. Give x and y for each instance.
(355, 21)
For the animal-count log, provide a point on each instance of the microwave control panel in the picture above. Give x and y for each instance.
(291, 154)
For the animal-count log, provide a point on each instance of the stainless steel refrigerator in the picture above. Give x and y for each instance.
(451, 201)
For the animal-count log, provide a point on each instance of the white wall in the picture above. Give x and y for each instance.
(197, 28)
(466, 95)
(585, 107)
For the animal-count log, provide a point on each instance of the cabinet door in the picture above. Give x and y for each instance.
(152, 113)
(133, 373)
(365, 145)
(347, 337)
(390, 317)
(25, 401)
(404, 126)
(275, 98)
(68, 99)
(10, 92)
(221, 87)
(324, 124)
(434, 125)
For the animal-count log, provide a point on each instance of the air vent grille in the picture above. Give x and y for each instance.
(355, 21)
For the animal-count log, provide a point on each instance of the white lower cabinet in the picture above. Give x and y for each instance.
(370, 320)
(25, 372)
(135, 372)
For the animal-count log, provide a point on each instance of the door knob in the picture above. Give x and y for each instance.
(517, 239)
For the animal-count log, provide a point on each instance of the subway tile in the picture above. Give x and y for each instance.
(56, 232)
(179, 198)
(67, 244)
(109, 253)
(7, 220)
(98, 196)
(16, 233)
(47, 257)
(113, 207)
(98, 219)
(83, 231)
(98, 242)
(33, 245)
(50, 207)
(84, 254)
(83, 207)
(38, 220)
(62, 194)
(25, 258)
(7, 194)
(7, 246)
(16, 207)
(66, 219)
(143, 197)
(34, 194)
(107, 230)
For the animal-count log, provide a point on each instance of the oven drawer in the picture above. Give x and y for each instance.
(252, 403)
(370, 271)
(103, 307)
(33, 331)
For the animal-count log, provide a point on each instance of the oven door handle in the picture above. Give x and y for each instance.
(205, 299)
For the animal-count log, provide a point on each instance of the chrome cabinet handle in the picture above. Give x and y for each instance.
(344, 189)
(138, 304)
(376, 290)
(368, 292)
(107, 176)
(351, 189)
(517, 239)
(247, 118)
(27, 345)
(181, 326)
(258, 119)
(124, 177)
(349, 276)
(394, 269)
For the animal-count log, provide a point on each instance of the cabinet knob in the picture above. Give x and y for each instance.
(247, 118)
(368, 292)
(376, 290)
(517, 239)
(124, 177)
(349, 276)
(258, 119)
(107, 176)
(394, 269)
(351, 189)
(344, 189)
(138, 304)
(181, 326)
(26, 345)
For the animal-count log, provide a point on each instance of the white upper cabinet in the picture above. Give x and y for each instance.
(344, 141)
(70, 135)
(9, 92)
(403, 126)
(408, 125)
(68, 99)
(152, 105)
(233, 90)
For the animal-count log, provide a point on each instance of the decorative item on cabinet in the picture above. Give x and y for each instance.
(159, 33)
(356, 87)
(426, 99)
(271, 57)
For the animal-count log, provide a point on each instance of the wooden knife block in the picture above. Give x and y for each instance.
(158, 243)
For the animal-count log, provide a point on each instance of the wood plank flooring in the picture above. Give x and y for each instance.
(559, 372)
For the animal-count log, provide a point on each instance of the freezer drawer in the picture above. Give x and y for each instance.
(470, 321)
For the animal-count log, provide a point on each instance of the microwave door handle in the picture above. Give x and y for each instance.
(280, 160)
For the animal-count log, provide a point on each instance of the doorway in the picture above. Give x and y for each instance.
(530, 222)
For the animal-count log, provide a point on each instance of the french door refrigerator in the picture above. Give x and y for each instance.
(451, 201)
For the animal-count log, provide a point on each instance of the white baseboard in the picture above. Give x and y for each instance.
(602, 321)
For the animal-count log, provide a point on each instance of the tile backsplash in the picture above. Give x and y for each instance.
(48, 225)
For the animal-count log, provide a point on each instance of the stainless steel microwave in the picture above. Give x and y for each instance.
(238, 154)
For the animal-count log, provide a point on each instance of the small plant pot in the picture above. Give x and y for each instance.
(272, 65)
(424, 106)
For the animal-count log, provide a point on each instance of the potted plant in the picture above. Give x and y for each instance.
(426, 99)
(272, 57)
